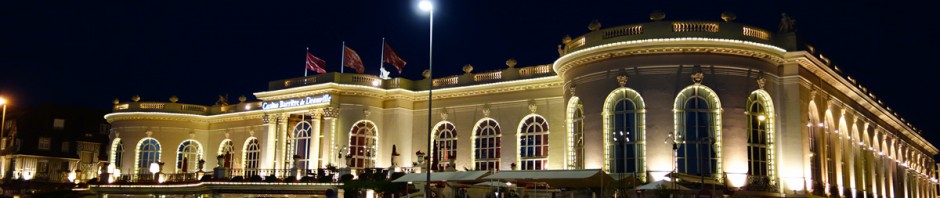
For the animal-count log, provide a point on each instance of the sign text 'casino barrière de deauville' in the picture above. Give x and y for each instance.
(294, 102)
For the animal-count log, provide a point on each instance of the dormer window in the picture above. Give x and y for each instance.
(58, 123)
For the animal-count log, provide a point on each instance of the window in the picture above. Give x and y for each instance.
(445, 145)
(760, 135)
(42, 166)
(117, 152)
(252, 156)
(87, 157)
(533, 143)
(486, 144)
(575, 134)
(624, 136)
(302, 142)
(187, 156)
(58, 123)
(814, 150)
(362, 140)
(227, 151)
(65, 146)
(44, 143)
(148, 152)
(697, 111)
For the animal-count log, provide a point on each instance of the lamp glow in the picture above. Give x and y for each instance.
(761, 117)
(71, 176)
(737, 179)
(425, 5)
(3, 101)
(154, 168)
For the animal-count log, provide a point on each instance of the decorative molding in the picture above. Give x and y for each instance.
(602, 55)
(330, 112)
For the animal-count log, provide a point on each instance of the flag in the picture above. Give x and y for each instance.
(351, 59)
(392, 58)
(315, 64)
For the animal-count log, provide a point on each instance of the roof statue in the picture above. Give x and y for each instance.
(787, 24)
(223, 100)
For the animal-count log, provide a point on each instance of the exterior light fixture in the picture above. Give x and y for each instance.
(761, 117)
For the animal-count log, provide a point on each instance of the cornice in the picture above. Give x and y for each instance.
(668, 46)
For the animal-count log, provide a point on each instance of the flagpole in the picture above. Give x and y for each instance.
(382, 58)
(342, 59)
(305, 66)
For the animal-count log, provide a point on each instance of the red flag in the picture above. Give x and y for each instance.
(315, 64)
(392, 58)
(351, 59)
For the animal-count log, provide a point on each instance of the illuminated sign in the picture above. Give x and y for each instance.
(295, 102)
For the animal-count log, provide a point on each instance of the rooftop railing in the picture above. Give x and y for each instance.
(507, 74)
(670, 29)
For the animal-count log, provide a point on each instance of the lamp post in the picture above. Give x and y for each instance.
(3, 139)
(426, 5)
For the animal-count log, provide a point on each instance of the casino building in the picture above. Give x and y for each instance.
(715, 103)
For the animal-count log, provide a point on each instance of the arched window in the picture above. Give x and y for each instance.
(445, 145)
(575, 134)
(228, 152)
(697, 111)
(302, 141)
(533, 143)
(252, 156)
(813, 127)
(760, 136)
(486, 145)
(362, 139)
(148, 151)
(625, 134)
(830, 144)
(117, 152)
(187, 156)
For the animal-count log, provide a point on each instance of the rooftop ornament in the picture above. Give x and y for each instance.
(657, 15)
(728, 16)
(787, 24)
(174, 99)
(511, 63)
(135, 98)
(594, 25)
(467, 68)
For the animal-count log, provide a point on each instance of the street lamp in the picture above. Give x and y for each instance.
(427, 6)
(3, 139)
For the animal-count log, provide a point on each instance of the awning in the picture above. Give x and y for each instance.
(555, 178)
(442, 176)
(694, 178)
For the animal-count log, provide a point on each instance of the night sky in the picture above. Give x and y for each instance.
(88, 53)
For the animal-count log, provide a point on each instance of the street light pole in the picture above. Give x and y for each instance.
(3, 121)
(426, 5)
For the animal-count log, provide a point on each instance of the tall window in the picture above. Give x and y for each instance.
(227, 151)
(252, 156)
(445, 145)
(698, 144)
(814, 150)
(760, 135)
(624, 133)
(533, 143)
(486, 145)
(830, 146)
(117, 152)
(302, 142)
(575, 134)
(362, 140)
(148, 152)
(187, 156)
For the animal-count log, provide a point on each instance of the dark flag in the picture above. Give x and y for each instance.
(391, 57)
(351, 59)
(315, 64)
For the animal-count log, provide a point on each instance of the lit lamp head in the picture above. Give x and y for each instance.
(761, 117)
(154, 168)
(72, 176)
(425, 5)
(3, 101)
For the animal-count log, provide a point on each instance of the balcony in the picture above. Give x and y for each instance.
(670, 29)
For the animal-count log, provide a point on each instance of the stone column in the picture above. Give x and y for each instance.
(327, 145)
(313, 161)
(270, 140)
(282, 156)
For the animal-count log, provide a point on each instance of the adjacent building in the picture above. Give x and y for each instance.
(729, 104)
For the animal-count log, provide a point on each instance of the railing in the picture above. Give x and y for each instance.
(541, 69)
(575, 43)
(754, 32)
(445, 81)
(760, 183)
(496, 75)
(151, 105)
(623, 31)
(694, 27)
(366, 79)
(188, 107)
(256, 175)
(301, 81)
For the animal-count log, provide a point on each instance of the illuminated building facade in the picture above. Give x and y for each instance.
(724, 102)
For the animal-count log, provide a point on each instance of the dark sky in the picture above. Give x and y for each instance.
(88, 53)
